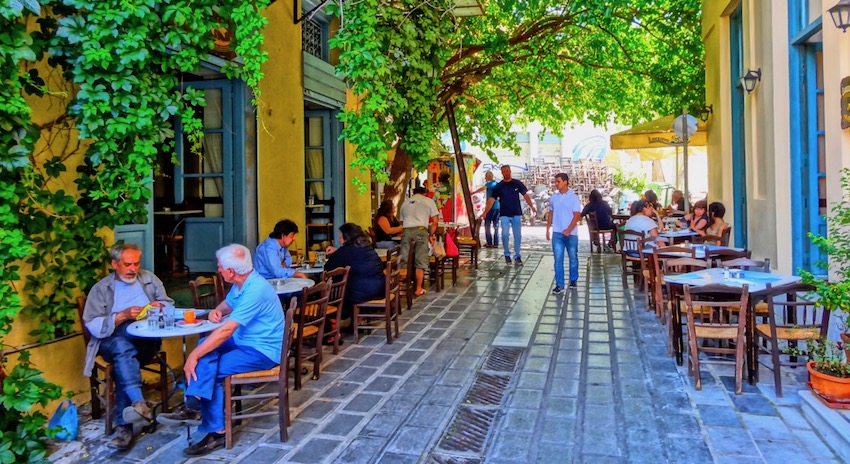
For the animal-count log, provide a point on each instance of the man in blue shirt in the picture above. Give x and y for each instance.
(508, 193)
(564, 214)
(251, 339)
(274, 251)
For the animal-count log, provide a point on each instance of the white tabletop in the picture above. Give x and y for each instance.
(756, 280)
(312, 270)
(678, 233)
(291, 285)
(140, 329)
(700, 250)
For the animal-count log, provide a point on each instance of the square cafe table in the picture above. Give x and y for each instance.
(757, 282)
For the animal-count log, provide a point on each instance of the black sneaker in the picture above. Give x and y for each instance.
(123, 439)
(518, 261)
(181, 416)
(573, 284)
(507, 260)
(208, 444)
(557, 290)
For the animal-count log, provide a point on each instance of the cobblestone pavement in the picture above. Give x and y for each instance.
(499, 370)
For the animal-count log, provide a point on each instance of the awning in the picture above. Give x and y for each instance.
(650, 154)
(655, 134)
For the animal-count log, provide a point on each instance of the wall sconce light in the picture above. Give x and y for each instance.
(705, 112)
(841, 14)
(750, 79)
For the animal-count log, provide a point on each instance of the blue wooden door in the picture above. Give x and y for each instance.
(739, 160)
(814, 159)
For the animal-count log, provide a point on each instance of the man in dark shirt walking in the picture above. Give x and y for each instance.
(508, 192)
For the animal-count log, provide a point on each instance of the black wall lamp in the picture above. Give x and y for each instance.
(705, 112)
(841, 14)
(750, 79)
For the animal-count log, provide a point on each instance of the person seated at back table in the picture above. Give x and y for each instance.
(717, 225)
(604, 219)
(641, 222)
(251, 339)
(652, 198)
(366, 276)
(386, 226)
(111, 306)
(677, 203)
(698, 221)
(273, 252)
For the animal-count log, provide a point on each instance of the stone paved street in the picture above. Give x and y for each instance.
(499, 370)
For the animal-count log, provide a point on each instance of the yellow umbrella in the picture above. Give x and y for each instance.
(656, 134)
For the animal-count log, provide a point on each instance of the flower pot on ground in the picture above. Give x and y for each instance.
(829, 387)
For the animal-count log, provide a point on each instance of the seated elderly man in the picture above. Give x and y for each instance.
(111, 305)
(250, 339)
(272, 259)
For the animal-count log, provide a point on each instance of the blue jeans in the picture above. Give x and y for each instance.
(559, 243)
(491, 219)
(508, 223)
(213, 367)
(127, 353)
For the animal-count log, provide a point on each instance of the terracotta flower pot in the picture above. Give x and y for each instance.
(830, 388)
(845, 339)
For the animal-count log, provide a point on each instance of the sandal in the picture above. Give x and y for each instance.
(420, 293)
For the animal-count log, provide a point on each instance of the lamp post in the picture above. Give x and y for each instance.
(749, 80)
(841, 14)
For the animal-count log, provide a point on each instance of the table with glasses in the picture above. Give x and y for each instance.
(677, 236)
(757, 282)
(180, 329)
(287, 288)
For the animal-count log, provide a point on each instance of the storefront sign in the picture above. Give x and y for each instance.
(845, 102)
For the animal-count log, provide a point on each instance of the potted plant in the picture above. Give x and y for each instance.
(829, 373)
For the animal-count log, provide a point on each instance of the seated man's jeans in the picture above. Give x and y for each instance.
(212, 368)
(511, 223)
(560, 242)
(127, 353)
(491, 220)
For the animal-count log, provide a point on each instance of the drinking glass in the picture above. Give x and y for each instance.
(153, 318)
(168, 315)
(189, 316)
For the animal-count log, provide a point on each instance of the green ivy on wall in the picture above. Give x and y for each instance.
(113, 69)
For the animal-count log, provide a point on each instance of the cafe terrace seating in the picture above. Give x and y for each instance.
(597, 236)
(207, 292)
(309, 325)
(103, 385)
(791, 319)
(233, 399)
(633, 261)
(386, 308)
(469, 245)
(677, 310)
(336, 294)
(726, 320)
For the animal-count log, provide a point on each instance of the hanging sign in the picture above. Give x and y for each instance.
(845, 102)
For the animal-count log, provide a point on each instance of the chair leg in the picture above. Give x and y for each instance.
(739, 365)
(355, 322)
(228, 414)
(777, 367)
(96, 409)
(283, 410)
(298, 353)
(455, 264)
(388, 311)
(163, 381)
(109, 399)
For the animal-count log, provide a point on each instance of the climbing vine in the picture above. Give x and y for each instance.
(107, 78)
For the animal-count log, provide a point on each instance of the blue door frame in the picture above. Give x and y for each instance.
(739, 159)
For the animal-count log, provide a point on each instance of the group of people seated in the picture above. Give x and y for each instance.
(705, 220)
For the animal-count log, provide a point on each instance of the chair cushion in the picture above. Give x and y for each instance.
(790, 333)
(250, 375)
(467, 241)
(308, 331)
(331, 309)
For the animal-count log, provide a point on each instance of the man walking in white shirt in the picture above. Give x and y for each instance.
(565, 213)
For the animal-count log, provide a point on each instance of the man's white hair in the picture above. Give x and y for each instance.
(236, 257)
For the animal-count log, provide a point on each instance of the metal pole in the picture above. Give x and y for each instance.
(461, 167)
(685, 161)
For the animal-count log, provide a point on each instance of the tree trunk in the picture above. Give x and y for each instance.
(400, 172)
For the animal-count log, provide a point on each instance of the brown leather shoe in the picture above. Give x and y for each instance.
(207, 445)
(123, 439)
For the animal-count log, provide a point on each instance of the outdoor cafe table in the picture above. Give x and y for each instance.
(677, 236)
(141, 329)
(287, 288)
(757, 282)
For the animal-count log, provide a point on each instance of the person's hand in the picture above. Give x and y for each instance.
(548, 235)
(189, 369)
(300, 275)
(565, 233)
(132, 312)
(330, 249)
(215, 316)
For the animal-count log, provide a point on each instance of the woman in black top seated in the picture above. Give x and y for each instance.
(366, 276)
(386, 225)
(604, 219)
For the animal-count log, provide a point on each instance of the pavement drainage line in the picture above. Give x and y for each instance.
(385, 395)
(465, 439)
(619, 410)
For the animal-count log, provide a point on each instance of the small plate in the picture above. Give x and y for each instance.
(184, 324)
(178, 312)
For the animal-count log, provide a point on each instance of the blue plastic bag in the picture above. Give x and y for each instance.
(66, 418)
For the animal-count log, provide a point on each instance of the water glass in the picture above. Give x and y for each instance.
(168, 316)
(153, 318)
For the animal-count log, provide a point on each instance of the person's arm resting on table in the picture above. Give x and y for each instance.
(213, 341)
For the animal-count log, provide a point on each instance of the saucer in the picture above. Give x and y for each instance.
(184, 324)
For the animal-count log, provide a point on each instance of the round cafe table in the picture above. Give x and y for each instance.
(287, 288)
(141, 329)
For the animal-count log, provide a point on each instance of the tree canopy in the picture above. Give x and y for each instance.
(551, 61)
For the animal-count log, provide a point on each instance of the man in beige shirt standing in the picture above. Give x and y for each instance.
(418, 217)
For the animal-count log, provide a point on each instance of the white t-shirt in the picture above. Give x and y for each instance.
(417, 211)
(641, 223)
(563, 207)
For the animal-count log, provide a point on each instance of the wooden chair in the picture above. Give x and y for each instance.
(102, 385)
(470, 245)
(718, 256)
(336, 279)
(677, 312)
(386, 309)
(320, 222)
(407, 275)
(791, 319)
(596, 235)
(448, 263)
(747, 264)
(719, 324)
(274, 375)
(309, 323)
(207, 292)
(633, 261)
(659, 255)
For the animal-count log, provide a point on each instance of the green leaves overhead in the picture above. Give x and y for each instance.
(551, 61)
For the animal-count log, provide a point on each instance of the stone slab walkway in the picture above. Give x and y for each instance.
(499, 370)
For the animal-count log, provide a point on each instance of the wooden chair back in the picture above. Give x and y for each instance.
(337, 280)
(207, 292)
(747, 264)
